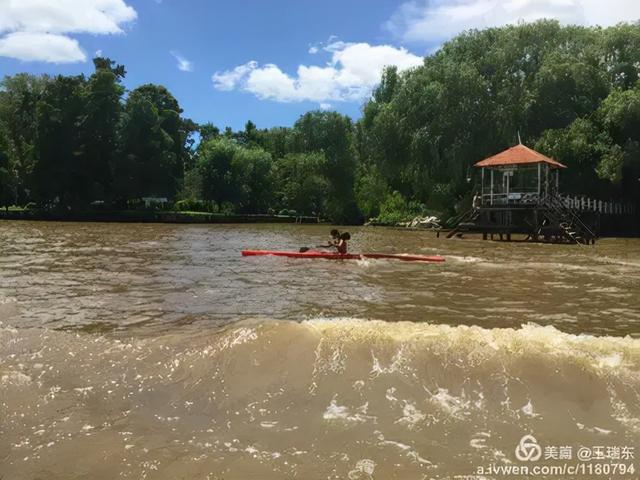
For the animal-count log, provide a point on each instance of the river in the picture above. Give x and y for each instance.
(158, 351)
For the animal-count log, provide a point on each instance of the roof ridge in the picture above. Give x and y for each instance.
(517, 155)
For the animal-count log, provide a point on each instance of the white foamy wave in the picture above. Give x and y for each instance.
(294, 388)
(465, 259)
(530, 337)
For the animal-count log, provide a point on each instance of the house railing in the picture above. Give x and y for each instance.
(581, 203)
(578, 203)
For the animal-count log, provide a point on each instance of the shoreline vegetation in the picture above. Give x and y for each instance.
(152, 216)
(72, 143)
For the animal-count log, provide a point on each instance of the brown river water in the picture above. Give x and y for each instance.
(158, 352)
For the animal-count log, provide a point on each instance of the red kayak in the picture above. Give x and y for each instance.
(348, 256)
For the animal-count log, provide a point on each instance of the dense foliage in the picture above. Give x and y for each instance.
(570, 92)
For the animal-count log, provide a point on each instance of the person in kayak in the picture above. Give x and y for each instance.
(333, 241)
(335, 238)
(342, 246)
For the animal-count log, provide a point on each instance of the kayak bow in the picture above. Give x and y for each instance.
(311, 254)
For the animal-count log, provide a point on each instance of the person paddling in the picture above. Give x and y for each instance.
(335, 238)
(342, 245)
(332, 243)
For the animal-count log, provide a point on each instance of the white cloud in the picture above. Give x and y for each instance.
(437, 20)
(229, 79)
(183, 65)
(44, 47)
(38, 30)
(325, 106)
(350, 75)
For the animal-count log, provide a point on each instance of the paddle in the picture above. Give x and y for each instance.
(306, 249)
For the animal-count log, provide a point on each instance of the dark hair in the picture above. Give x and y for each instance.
(335, 233)
(345, 236)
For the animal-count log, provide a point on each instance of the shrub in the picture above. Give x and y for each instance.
(227, 208)
(396, 209)
(208, 206)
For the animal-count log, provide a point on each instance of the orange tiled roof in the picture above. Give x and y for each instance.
(518, 155)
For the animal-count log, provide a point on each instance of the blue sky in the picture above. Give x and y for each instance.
(268, 61)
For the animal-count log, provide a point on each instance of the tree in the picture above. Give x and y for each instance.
(301, 183)
(19, 96)
(214, 167)
(567, 90)
(7, 174)
(250, 137)
(371, 190)
(580, 146)
(61, 177)
(208, 131)
(620, 117)
(251, 174)
(99, 128)
(331, 134)
(156, 144)
(147, 165)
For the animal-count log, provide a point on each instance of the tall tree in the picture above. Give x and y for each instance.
(251, 173)
(331, 134)
(301, 182)
(99, 128)
(60, 175)
(19, 96)
(155, 144)
(148, 164)
(7, 175)
(214, 167)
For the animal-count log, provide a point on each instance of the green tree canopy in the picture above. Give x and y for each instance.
(303, 186)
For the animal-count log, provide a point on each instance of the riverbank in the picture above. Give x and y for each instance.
(152, 216)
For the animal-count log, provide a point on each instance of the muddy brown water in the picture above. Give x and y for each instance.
(157, 351)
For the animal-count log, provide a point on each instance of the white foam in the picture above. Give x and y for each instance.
(399, 362)
(363, 469)
(411, 416)
(598, 430)
(18, 379)
(528, 410)
(238, 336)
(479, 440)
(450, 404)
(465, 259)
(342, 413)
(610, 361)
(409, 451)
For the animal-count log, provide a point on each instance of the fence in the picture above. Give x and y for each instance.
(585, 204)
(578, 203)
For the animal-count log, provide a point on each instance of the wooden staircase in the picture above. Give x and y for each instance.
(569, 223)
(458, 221)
